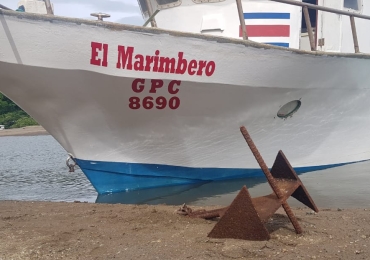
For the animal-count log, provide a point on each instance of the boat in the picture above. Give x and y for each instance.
(151, 106)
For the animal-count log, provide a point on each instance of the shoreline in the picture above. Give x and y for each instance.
(24, 131)
(55, 230)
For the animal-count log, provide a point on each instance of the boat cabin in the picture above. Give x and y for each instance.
(32, 6)
(267, 21)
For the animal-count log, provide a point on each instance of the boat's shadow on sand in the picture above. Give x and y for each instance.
(344, 187)
(175, 195)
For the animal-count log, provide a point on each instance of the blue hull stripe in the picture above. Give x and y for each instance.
(266, 15)
(107, 177)
(281, 44)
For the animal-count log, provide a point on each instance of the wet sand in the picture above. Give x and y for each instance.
(60, 230)
(24, 131)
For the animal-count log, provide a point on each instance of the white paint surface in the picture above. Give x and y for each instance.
(330, 26)
(85, 107)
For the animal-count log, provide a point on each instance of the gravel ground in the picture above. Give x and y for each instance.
(61, 230)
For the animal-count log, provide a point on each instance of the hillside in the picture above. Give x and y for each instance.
(12, 116)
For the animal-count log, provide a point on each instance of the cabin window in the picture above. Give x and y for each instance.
(352, 4)
(289, 109)
(164, 4)
(207, 1)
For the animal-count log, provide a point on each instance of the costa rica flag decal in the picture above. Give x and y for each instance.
(269, 28)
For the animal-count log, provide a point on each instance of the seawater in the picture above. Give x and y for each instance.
(33, 168)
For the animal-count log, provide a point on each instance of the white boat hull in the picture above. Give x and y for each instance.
(48, 69)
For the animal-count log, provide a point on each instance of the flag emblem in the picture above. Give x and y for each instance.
(270, 28)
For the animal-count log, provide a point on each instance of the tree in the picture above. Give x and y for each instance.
(12, 116)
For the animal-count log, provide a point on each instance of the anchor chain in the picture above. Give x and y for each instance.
(71, 165)
(202, 213)
(184, 210)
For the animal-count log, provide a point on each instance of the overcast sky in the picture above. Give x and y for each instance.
(121, 11)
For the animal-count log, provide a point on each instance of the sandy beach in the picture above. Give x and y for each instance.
(60, 230)
(24, 131)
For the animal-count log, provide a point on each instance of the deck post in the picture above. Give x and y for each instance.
(151, 17)
(309, 28)
(150, 11)
(354, 34)
(241, 18)
(49, 9)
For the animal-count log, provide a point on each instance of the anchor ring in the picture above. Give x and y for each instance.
(70, 165)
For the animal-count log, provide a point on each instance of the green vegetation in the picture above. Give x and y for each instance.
(12, 116)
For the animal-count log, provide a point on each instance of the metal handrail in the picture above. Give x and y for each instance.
(329, 10)
(153, 22)
(151, 18)
(4, 7)
(322, 8)
(305, 7)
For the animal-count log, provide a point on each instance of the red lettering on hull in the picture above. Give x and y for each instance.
(97, 47)
(152, 101)
(128, 60)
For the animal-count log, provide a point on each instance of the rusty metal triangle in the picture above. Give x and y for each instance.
(284, 171)
(241, 220)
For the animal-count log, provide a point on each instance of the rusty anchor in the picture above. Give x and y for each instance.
(245, 218)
